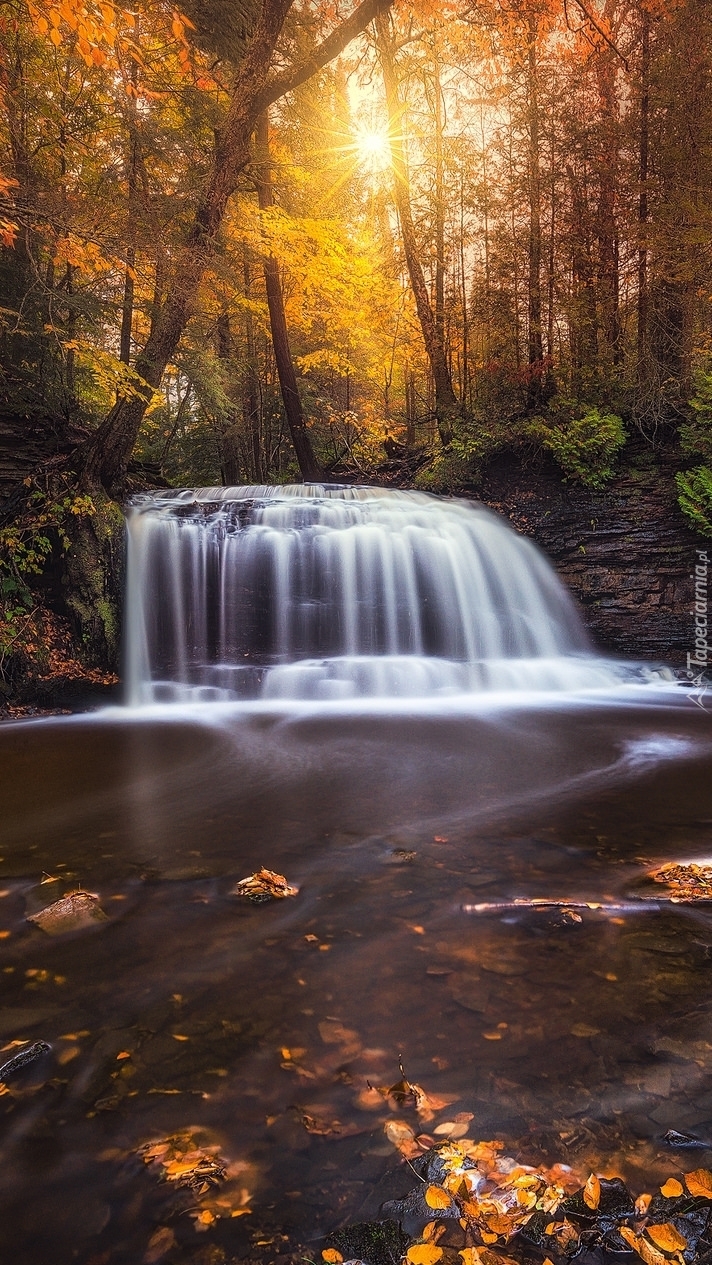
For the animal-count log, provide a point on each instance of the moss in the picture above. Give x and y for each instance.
(92, 581)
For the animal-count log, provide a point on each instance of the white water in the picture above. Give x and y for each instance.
(328, 593)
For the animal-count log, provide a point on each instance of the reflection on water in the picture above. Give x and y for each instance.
(261, 1026)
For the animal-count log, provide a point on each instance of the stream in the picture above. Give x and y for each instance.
(577, 1033)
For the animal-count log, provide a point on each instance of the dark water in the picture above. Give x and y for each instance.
(581, 1042)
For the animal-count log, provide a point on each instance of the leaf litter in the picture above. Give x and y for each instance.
(197, 1168)
(474, 1205)
(262, 886)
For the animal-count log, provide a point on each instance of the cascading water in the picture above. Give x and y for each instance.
(327, 592)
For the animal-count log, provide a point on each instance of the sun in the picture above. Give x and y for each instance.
(373, 148)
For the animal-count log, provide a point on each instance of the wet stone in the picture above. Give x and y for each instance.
(372, 1242)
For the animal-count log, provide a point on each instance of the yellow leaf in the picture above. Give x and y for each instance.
(423, 1254)
(55, 37)
(649, 1254)
(434, 1231)
(671, 1189)
(666, 1237)
(592, 1192)
(699, 1182)
(436, 1197)
(331, 1256)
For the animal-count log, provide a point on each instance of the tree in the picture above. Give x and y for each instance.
(107, 454)
(308, 465)
(447, 408)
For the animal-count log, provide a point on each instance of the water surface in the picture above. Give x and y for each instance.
(252, 1025)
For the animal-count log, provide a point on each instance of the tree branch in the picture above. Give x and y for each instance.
(329, 48)
(599, 31)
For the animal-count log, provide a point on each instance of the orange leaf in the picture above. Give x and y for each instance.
(423, 1254)
(671, 1189)
(699, 1182)
(666, 1237)
(592, 1192)
(331, 1256)
(436, 1197)
(649, 1254)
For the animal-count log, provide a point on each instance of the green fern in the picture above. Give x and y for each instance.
(695, 497)
(585, 447)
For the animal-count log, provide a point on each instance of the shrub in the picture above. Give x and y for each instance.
(585, 447)
(696, 434)
(695, 498)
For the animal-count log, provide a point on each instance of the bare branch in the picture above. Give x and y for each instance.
(329, 48)
(599, 31)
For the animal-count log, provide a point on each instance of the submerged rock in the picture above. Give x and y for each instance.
(73, 912)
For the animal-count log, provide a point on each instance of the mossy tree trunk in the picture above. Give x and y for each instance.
(92, 581)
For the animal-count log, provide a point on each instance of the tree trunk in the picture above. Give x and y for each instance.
(228, 437)
(250, 390)
(535, 345)
(643, 355)
(127, 308)
(308, 465)
(607, 229)
(447, 409)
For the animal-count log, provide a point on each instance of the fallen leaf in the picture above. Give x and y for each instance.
(671, 1190)
(423, 1254)
(584, 1030)
(398, 1131)
(205, 1219)
(699, 1182)
(331, 1256)
(265, 885)
(334, 1033)
(319, 1127)
(666, 1237)
(67, 1054)
(436, 1197)
(649, 1254)
(451, 1129)
(592, 1192)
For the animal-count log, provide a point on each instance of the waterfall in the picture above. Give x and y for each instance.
(328, 592)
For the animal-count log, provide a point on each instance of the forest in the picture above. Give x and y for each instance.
(248, 244)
